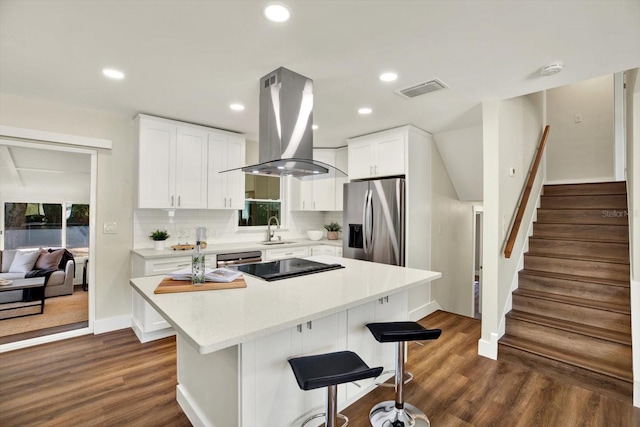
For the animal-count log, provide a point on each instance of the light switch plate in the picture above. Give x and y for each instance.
(110, 228)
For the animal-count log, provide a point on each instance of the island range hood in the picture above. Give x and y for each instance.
(285, 137)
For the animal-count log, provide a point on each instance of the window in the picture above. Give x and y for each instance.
(32, 225)
(262, 201)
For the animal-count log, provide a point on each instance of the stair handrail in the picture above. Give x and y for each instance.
(524, 198)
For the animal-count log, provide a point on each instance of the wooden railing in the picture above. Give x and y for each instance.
(522, 204)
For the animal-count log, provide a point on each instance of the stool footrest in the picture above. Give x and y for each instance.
(322, 415)
(392, 385)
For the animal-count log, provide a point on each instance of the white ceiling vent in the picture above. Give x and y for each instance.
(422, 88)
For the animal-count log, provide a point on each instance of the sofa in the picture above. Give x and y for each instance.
(38, 262)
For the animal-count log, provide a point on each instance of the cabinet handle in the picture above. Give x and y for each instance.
(230, 204)
(225, 202)
(370, 169)
(309, 325)
(303, 205)
(314, 205)
(172, 198)
(386, 298)
(381, 301)
(299, 328)
(376, 169)
(178, 201)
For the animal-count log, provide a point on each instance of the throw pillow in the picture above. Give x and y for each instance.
(48, 260)
(24, 261)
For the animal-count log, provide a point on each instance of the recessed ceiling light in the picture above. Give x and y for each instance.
(365, 110)
(314, 127)
(236, 107)
(277, 12)
(255, 171)
(281, 167)
(388, 77)
(113, 74)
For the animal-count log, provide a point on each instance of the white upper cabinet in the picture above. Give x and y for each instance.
(226, 190)
(178, 165)
(377, 155)
(320, 193)
(172, 166)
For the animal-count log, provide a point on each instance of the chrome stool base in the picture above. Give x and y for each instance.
(323, 415)
(385, 414)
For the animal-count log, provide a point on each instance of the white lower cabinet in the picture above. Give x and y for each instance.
(276, 254)
(324, 250)
(270, 394)
(146, 322)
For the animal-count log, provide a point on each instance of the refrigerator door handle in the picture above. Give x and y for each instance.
(364, 221)
(369, 225)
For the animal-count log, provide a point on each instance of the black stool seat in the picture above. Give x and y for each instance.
(328, 369)
(402, 331)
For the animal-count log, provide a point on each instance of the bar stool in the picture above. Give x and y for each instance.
(329, 370)
(398, 413)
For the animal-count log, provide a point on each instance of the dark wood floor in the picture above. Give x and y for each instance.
(113, 380)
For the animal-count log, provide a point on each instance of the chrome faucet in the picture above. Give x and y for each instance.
(270, 233)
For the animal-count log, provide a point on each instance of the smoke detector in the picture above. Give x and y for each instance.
(551, 69)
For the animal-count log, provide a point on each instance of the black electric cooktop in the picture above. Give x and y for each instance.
(285, 268)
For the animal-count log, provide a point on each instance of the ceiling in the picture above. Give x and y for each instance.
(189, 60)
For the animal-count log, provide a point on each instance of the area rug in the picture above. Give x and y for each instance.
(58, 311)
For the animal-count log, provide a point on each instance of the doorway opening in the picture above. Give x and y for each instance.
(47, 195)
(476, 278)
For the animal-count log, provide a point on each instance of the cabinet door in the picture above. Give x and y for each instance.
(320, 336)
(270, 393)
(235, 180)
(391, 308)
(390, 156)
(217, 162)
(191, 168)
(324, 188)
(276, 254)
(361, 159)
(156, 165)
(360, 341)
(342, 164)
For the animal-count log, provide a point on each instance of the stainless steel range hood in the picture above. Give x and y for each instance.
(286, 138)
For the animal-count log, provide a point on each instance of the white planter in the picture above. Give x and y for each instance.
(158, 245)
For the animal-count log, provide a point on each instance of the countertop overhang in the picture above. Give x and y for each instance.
(214, 320)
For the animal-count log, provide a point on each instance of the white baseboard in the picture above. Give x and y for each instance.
(43, 340)
(489, 348)
(101, 326)
(191, 410)
(636, 394)
(424, 311)
(144, 337)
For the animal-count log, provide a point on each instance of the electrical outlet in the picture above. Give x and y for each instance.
(512, 171)
(577, 118)
(110, 228)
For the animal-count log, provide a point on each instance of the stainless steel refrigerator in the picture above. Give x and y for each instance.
(374, 221)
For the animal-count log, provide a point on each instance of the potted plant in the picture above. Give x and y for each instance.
(332, 230)
(158, 237)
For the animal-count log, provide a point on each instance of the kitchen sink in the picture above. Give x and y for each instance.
(275, 243)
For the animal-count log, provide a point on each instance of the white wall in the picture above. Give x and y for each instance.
(581, 152)
(114, 182)
(461, 152)
(511, 131)
(633, 194)
(451, 242)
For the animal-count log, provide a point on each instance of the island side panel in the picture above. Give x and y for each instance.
(208, 387)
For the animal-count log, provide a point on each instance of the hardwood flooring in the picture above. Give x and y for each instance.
(113, 380)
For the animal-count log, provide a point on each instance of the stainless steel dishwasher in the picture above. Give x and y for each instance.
(225, 260)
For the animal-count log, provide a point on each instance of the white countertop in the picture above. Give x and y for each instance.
(213, 320)
(231, 247)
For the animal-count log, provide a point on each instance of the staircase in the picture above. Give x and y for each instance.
(571, 312)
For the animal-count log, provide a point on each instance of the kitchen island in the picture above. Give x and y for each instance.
(233, 345)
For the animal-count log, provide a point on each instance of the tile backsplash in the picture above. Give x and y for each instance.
(221, 226)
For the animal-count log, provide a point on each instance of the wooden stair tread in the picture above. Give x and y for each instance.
(604, 258)
(599, 188)
(578, 328)
(608, 282)
(582, 302)
(583, 361)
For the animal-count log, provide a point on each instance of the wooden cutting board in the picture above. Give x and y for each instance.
(168, 286)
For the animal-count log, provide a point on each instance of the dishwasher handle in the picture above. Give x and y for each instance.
(224, 260)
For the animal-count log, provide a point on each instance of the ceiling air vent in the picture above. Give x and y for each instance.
(421, 89)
